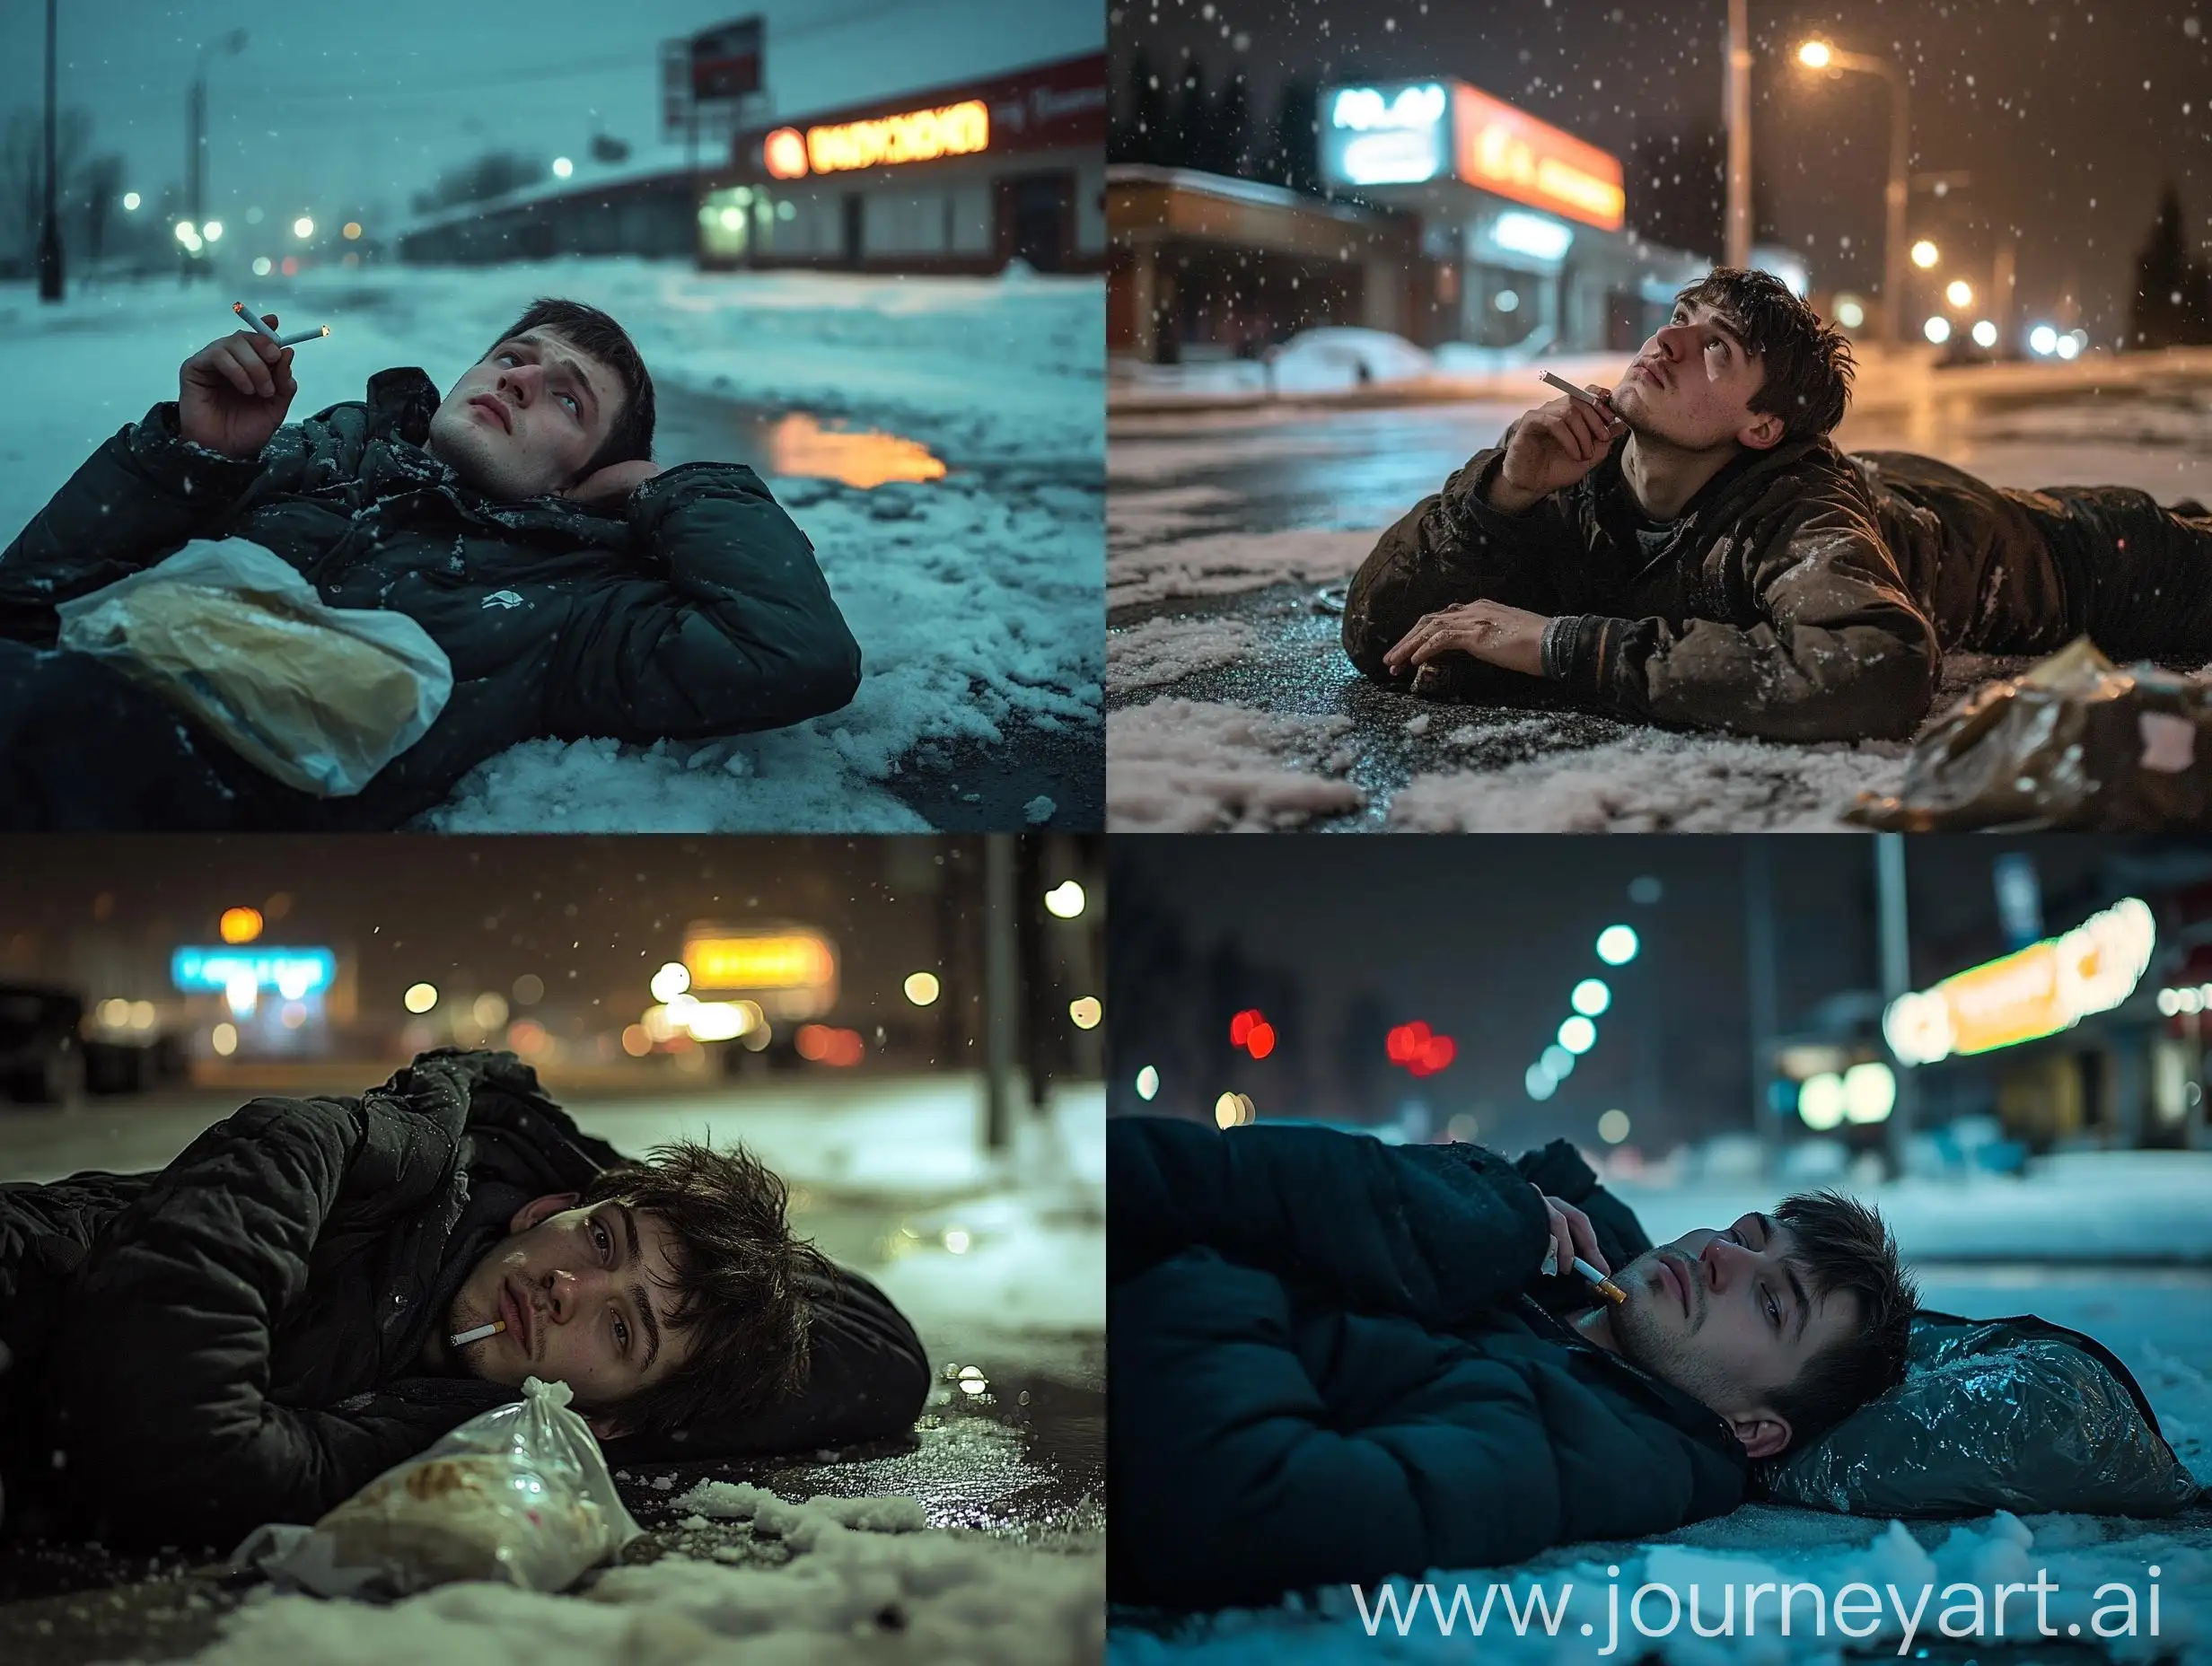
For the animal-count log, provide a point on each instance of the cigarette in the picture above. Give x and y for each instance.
(1584, 394)
(293, 339)
(478, 1334)
(1607, 1288)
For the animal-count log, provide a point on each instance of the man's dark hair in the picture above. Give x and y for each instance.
(741, 1283)
(1808, 364)
(1844, 1246)
(590, 330)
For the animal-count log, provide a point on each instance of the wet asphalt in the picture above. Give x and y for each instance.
(961, 786)
(1322, 466)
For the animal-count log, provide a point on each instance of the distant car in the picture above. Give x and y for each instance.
(42, 1053)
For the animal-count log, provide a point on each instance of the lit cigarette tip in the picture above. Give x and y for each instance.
(1606, 1287)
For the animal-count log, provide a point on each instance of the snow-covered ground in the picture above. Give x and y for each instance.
(974, 597)
(1232, 526)
(1987, 1247)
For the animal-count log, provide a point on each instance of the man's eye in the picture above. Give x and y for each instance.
(1774, 1310)
(575, 406)
(621, 1336)
(606, 1246)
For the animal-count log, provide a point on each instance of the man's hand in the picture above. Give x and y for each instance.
(233, 394)
(1509, 637)
(614, 483)
(1571, 1235)
(1554, 446)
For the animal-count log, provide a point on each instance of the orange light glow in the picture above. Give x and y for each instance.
(784, 153)
(1261, 1041)
(787, 961)
(916, 135)
(800, 446)
(1510, 152)
(822, 1045)
(635, 1042)
(241, 925)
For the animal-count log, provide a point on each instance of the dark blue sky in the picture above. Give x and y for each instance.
(2070, 114)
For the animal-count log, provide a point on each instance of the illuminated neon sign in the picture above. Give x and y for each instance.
(781, 960)
(2038, 991)
(292, 973)
(881, 142)
(1386, 135)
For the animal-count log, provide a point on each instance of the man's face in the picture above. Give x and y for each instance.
(586, 1294)
(526, 418)
(1728, 1319)
(1692, 384)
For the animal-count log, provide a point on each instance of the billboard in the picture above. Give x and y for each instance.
(790, 970)
(1408, 133)
(706, 79)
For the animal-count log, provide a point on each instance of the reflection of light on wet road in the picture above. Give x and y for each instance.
(799, 445)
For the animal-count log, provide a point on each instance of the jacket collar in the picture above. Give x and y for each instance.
(1690, 1415)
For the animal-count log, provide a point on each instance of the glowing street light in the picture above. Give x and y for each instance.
(1985, 333)
(303, 228)
(130, 202)
(240, 924)
(563, 167)
(212, 230)
(1937, 330)
(922, 988)
(1818, 55)
(420, 997)
(1925, 254)
(1613, 1127)
(1617, 945)
(1591, 997)
(1958, 293)
(1147, 1083)
(671, 981)
(1065, 901)
(2043, 341)
(1578, 1035)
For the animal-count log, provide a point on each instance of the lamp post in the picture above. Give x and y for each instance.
(49, 234)
(196, 154)
(1821, 55)
(1738, 113)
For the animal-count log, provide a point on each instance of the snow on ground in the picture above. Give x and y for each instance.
(974, 597)
(863, 1586)
(1192, 766)
(1229, 526)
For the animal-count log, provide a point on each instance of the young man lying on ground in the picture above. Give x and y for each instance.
(1336, 1360)
(1696, 551)
(577, 590)
(261, 1328)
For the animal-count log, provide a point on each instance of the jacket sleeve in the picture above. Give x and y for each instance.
(1437, 1233)
(732, 629)
(1839, 651)
(140, 497)
(1454, 547)
(161, 1364)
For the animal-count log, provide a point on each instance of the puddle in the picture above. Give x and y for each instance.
(692, 427)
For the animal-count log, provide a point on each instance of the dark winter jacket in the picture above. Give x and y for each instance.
(1803, 594)
(1332, 1363)
(693, 610)
(235, 1339)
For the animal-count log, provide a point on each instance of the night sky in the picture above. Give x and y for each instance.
(592, 918)
(1484, 938)
(2069, 114)
(340, 109)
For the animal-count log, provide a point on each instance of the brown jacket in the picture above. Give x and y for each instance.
(1803, 594)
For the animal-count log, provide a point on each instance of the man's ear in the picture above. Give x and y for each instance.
(1763, 1434)
(1763, 432)
(537, 1208)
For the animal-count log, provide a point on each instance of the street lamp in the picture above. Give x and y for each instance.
(1820, 56)
(1925, 254)
(195, 155)
(50, 233)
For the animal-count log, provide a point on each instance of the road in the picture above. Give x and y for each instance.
(1231, 533)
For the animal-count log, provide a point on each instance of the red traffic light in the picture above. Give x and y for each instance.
(1419, 1048)
(1251, 1032)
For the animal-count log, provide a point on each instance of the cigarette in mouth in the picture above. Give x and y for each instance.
(291, 341)
(478, 1334)
(1584, 394)
(1607, 1288)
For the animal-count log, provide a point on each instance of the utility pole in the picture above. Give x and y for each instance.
(1759, 978)
(1896, 979)
(49, 235)
(1739, 105)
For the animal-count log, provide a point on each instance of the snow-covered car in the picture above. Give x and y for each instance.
(1317, 361)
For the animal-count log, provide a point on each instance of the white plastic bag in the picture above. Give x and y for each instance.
(520, 1495)
(320, 697)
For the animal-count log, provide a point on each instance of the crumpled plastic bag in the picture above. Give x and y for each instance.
(2073, 742)
(520, 1495)
(320, 697)
(1999, 1413)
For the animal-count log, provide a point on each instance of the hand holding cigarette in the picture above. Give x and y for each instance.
(1555, 445)
(1573, 1237)
(233, 393)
